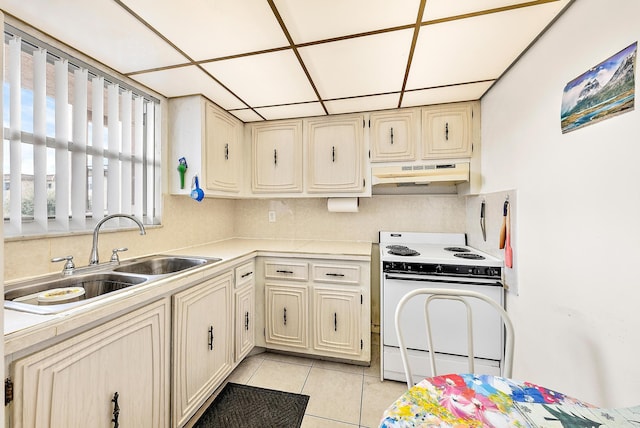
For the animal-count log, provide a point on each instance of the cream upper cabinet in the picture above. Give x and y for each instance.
(202, 335)
(210, 140)
(276, 149)
(335, 159)
(447, 131)
(222, 151)
(395, 135)
(117, 373)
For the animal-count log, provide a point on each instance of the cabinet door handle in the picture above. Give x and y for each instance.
(246, 274)
(285, 316)
(226, 151)
(335, 321)
(246, 321)
(334, 274)
(391, 135)
(275, 156)
(211, 338)
(446, 131)
(333, 153)
(116, 410)
(284, 271)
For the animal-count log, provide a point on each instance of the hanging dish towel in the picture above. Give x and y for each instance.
(508, 251)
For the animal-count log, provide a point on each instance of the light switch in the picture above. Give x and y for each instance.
(272, 216)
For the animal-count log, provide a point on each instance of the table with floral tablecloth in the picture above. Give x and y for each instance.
(469, 400)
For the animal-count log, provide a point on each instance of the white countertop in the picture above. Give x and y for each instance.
(22, 329)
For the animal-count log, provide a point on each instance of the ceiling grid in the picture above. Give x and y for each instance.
(277, 59)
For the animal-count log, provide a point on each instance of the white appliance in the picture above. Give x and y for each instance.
(409, 261)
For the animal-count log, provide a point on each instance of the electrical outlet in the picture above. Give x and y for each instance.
(272, 216)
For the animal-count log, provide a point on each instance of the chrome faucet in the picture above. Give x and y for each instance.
(93, 260)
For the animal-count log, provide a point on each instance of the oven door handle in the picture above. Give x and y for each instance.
(442, 281)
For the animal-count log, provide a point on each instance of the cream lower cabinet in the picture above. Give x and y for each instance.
(202, 335)
(244, 295)
(287, 315)
(115, 374)
(337, 320)
(318, 307)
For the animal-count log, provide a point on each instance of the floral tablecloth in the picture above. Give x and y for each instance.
(468, 400)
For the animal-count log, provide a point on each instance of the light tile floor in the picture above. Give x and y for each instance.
(340, 395)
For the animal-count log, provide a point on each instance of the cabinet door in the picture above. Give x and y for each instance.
(286, 315)
(395, 135)
(335, 155)
(73, 383)
(245, 304)
(201, 344)
(222, 150)
(277, 157)
(337, 320)
(446, 131)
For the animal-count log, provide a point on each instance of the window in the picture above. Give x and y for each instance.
(78, 144)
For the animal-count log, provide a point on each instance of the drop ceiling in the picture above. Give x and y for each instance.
(275, 59)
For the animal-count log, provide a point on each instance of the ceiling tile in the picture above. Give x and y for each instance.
(322, 19)
(448, 94)
(246, 115)
(266, 79)
(292, 110)
(363, 66)
(206, 29)
(437, 9)
(477, 48)
(189, 80)
(100, 29)
(360, 104)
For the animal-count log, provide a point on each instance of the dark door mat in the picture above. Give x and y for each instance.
(249, 406)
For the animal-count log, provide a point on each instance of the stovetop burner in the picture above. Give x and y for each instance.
(402, 250)
(469, 256)
(457, 249)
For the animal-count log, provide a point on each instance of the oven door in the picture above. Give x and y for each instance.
(448, 318)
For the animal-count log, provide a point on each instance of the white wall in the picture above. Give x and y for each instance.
(576, 315)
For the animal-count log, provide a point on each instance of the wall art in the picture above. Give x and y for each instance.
(602, 92)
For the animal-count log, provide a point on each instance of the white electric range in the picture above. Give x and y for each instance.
(411, 260)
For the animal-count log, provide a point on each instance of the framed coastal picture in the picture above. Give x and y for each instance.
(604, 91)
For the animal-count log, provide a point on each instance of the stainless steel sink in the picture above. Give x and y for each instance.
(55, 293)
(162, 265)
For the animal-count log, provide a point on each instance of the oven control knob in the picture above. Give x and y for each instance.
(439, 269)
(477, 271)
(492, 272)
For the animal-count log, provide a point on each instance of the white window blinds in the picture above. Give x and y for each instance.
(78, 144)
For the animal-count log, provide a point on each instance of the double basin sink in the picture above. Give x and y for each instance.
(56, 293)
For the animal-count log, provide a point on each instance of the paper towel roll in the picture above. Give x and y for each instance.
(343, 205)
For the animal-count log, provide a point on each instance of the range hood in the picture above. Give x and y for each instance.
(420, 174)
